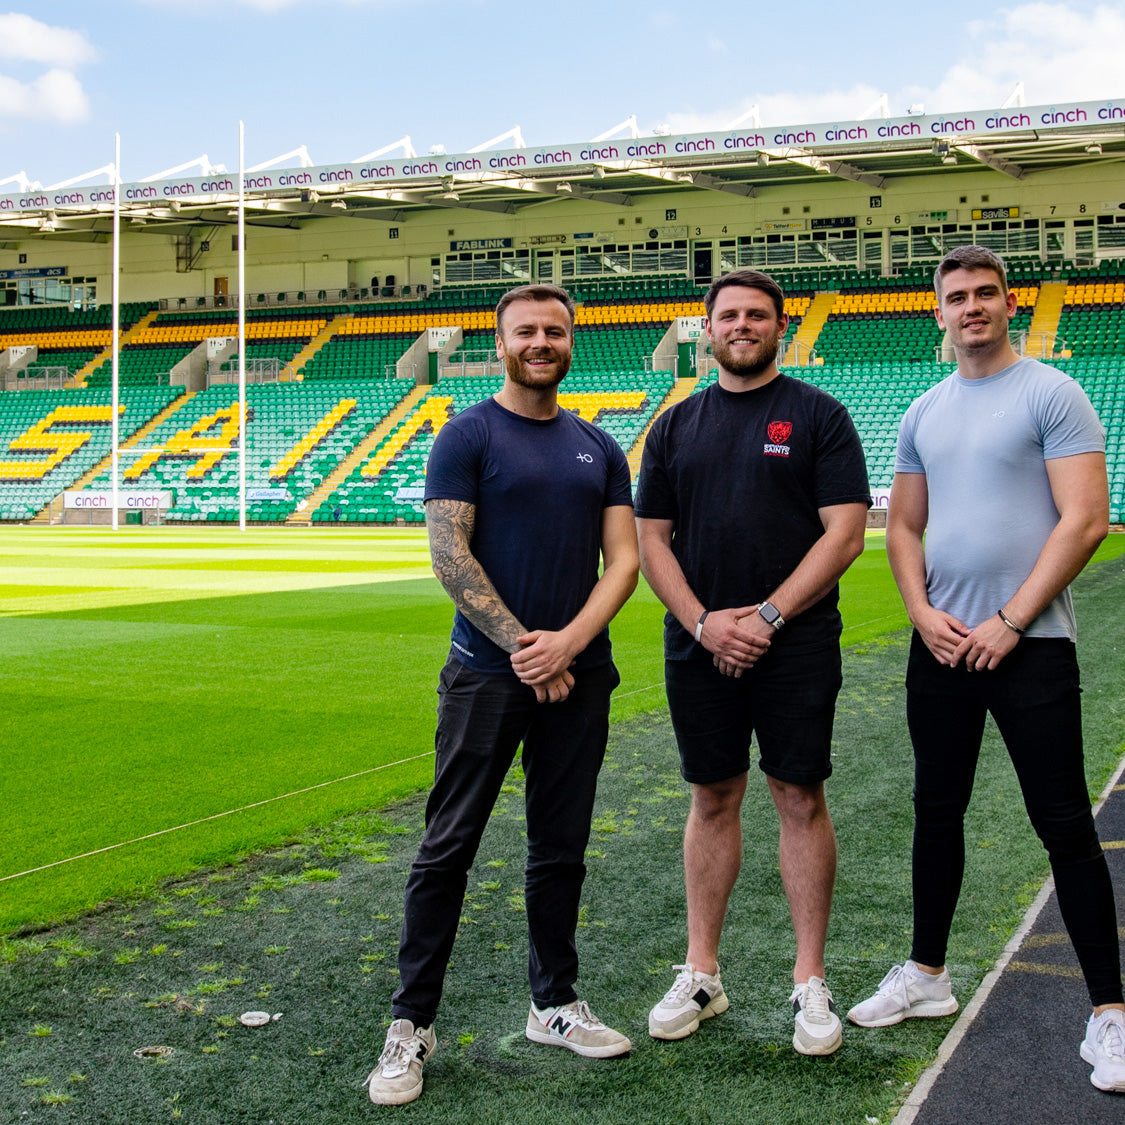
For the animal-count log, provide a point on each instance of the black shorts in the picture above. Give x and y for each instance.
(788, 703)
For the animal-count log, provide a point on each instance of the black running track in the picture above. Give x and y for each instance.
(1018, 1060)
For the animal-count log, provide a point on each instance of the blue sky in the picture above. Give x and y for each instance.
(345, 77)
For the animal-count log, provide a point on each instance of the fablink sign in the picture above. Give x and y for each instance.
(613, 153)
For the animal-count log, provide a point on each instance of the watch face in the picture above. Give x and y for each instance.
(768, 612)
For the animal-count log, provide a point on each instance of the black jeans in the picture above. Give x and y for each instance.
(1034, 698)
(482, 719)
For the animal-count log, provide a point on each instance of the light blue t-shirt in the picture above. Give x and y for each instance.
(982, 444)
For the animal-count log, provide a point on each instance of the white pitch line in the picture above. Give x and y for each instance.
(913, 1104)
(215, 816)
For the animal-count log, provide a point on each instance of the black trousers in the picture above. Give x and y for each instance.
(482, 719)
(1034, 698)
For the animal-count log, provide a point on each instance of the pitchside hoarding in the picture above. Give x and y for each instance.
(97, 499)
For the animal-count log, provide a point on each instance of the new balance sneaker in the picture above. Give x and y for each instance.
(693, 997)
(816, 1027)
(1104, 1049)
(397, 1078)
(576, 1028)
(904, 992)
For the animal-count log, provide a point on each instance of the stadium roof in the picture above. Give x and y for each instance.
(1015, 143)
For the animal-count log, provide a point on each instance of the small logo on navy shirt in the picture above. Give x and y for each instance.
(778, 434)
(587, 458)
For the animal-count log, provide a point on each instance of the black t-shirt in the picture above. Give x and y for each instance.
(742, 476)
(540, 488)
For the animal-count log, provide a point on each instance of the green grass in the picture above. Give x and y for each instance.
(153, 679)
(310, 931)
(158, 699)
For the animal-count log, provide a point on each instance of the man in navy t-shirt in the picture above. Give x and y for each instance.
(522, 500)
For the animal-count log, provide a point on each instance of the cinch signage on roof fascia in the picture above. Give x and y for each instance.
(619, 154)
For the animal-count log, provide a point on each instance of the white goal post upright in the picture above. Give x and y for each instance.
(241, 326)
(116, 314)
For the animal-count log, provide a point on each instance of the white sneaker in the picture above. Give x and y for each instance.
(397, 1079)
(693, 997)
(1104, 1049)
(906, 991)
(576, 1028)
(816, 1027)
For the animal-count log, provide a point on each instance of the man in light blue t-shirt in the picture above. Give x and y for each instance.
(999, 500)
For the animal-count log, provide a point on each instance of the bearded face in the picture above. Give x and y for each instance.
(535, 343)
(746, 331)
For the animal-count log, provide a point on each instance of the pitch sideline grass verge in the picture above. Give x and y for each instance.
(154, 679)
(310, 931)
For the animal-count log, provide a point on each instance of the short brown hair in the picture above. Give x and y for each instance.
(971, 258)
(748, 279)
(541, 292)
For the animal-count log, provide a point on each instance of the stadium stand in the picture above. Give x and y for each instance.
(296, 435)
(50, 439)
(871, 341)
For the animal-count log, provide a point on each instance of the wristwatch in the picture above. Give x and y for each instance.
(770, 615)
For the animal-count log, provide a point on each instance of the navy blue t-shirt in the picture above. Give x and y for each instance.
(539, 488)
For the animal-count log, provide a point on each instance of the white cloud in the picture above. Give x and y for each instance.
(54, 96)
(28, 40)
(1059, 53)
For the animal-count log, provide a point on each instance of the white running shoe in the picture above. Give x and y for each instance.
(693, 997)
(906, 991)
(397, 1078)
(816, 1027)
(576, 1028)
(1104, 1049)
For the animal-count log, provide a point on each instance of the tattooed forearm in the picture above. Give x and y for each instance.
(450, 525)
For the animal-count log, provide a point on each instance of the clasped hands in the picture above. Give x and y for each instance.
(951, 641)
(736, 638)
(543, 663)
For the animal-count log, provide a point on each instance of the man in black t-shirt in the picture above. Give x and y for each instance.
(522, 499)
(751, 503)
